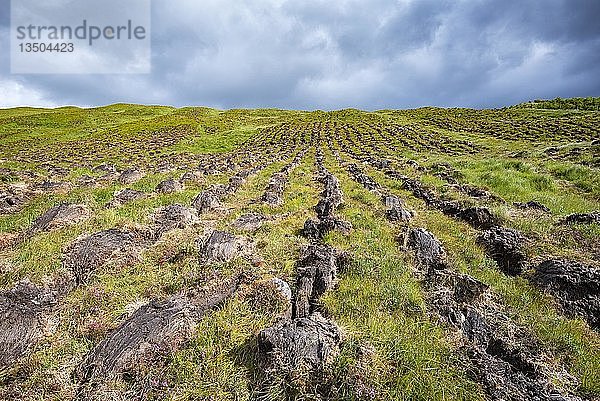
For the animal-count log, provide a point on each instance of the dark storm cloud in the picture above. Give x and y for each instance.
(323, 54)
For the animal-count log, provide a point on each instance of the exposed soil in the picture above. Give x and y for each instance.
(221, 247)
(91, 252)
(575, 286)
(130, 176)
(59, 216)
(157, 328)
(125, 196)
(169, 186)
(505, 246)
(24, 314)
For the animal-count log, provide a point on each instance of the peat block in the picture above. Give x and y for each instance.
(130, 176)
(316, 273)
(209, 199)
(429, 253)
(307, 344)
(171, 217)
(23, 311)
(159, 326)
(221, 246)
(59, 216)
(249, 222)
(395, 209)
(534, 205)
(505, 246)
(89, 253)
(169, 186)
(583, 218)
(124, 196)
(575, 285)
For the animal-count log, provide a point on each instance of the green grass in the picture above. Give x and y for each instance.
(520, 181)
(577, 103)
(206, 142)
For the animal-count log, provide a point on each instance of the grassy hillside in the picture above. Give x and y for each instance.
(576, 103)
(103, 295)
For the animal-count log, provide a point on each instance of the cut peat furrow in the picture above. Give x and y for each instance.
(17, 196)
(223, 247)
(297, 352)
(506, 247)
(504, 357)
(160, 327)
(165, 293)
(371, 141)
(368, 145)
(395, 207)
(476, 216)
(88, 253)
(273, 194)
(248, 155)
(211, 198)
(307, 342)
(331, 199)
(124, 196)
(449, 174)
(444, 171)
(429, 139)
(574, 285)
(26, 309)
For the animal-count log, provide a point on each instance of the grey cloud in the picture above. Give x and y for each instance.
(350, 53)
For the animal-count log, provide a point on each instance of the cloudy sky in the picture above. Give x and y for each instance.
(323, 54)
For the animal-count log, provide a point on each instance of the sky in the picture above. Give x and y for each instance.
(324, 54)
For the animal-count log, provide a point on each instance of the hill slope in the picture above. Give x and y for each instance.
(160, 253)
